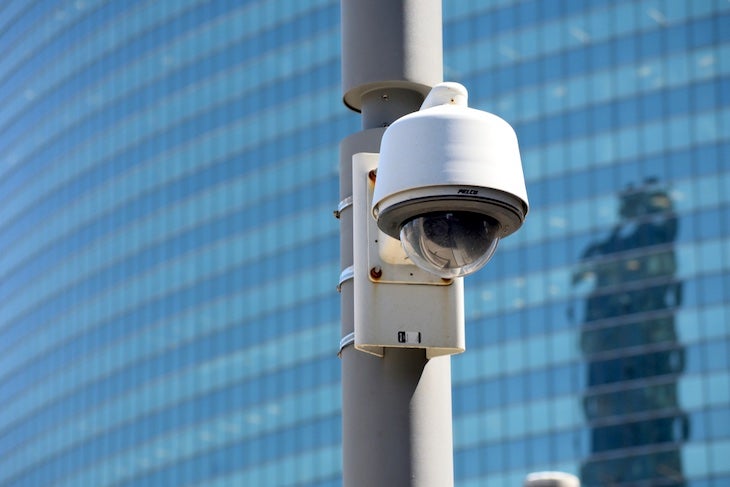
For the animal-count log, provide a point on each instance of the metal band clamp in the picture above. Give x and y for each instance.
(346, 274)
(346, 340)
(342, 205)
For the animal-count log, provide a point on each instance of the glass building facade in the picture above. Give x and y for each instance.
(168, 255)
(598, 338)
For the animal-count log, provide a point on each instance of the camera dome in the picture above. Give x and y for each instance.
(449, 183)
(450, 243)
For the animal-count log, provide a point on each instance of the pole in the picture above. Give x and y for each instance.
(396, 410)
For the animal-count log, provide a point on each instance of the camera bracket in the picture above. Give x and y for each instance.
(397, 304)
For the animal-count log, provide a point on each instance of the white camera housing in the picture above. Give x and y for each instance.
(449, 182)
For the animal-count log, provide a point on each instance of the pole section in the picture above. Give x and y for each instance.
(397, 409)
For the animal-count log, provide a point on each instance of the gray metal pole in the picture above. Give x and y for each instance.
(396, 409)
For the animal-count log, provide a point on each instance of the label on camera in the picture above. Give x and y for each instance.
(409, 337)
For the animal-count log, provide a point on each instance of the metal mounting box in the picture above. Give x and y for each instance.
(397, 304)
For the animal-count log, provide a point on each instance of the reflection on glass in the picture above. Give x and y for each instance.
(630, 346)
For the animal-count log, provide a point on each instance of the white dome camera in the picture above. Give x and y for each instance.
(449, 183)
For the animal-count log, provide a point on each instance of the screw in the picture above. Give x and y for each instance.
(373, 174)
(376, 272)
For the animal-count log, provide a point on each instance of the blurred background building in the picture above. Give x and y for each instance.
(168, 255)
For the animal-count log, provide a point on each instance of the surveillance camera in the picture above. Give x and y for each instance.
(449, 183)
